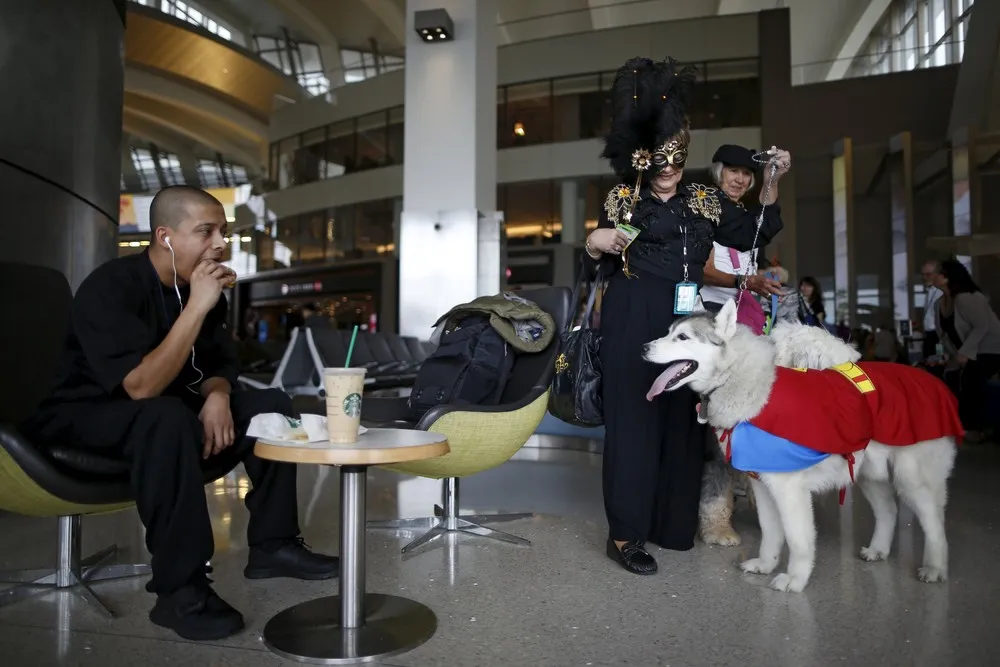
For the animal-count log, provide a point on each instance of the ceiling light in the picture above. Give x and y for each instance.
(245, 239)
(434, 25)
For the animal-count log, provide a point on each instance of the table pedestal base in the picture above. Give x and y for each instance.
(311, 632)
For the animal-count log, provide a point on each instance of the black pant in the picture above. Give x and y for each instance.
(972, 390)
(654, 451)
(162, 438)
(930, 344)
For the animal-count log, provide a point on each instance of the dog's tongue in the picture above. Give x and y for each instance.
(660, 383)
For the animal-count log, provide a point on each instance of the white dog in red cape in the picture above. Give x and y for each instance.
(799, 432)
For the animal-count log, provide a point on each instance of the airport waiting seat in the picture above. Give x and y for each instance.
(480, 437)
(58, 482)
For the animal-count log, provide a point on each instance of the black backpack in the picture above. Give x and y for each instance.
(471, 366)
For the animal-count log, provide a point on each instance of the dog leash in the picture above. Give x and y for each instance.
(762, 157)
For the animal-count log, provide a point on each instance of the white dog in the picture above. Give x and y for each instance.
(796, 345)
(857, 418)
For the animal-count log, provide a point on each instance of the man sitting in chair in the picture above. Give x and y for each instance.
(148, 374)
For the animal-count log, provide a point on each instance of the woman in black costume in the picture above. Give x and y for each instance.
(654, 451)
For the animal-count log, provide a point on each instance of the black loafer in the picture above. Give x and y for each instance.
(633, 557)
(196, 612)
(293, 560)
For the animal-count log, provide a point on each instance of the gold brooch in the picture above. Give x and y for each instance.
(562, 365)
(641, 160)
(619, 203)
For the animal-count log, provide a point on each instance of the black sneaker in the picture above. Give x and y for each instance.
(292, 559)
(196, 612)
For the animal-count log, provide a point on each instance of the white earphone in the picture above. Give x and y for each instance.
(177, 291)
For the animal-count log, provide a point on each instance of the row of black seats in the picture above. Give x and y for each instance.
(391, 360)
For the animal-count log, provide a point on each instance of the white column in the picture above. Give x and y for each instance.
(572, 212)
(450, 249)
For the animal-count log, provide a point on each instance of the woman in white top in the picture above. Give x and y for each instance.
(732, 170)
(970, 334)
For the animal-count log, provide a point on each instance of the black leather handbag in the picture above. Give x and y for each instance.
(575, 393)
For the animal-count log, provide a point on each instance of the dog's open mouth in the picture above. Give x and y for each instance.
(674, 373)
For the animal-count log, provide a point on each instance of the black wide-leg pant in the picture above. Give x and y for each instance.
(654, 451)
(162, 438)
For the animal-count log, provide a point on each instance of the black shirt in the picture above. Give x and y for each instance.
(121, 313)
(694, 217)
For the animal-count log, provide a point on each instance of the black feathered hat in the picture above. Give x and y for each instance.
(649, 102)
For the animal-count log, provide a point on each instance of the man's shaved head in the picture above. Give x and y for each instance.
(171, 206)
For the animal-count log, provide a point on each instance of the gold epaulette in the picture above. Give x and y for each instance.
(706, 202)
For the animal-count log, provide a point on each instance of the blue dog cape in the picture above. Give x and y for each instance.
(756, 450)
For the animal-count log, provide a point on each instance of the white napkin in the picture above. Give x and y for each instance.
(275, 426)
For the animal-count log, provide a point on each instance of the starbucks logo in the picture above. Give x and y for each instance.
(352, 405)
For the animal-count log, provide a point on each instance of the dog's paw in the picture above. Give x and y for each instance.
(786, 583)
(724, 536)
(872, 555)
(758, 566)
(932, 575)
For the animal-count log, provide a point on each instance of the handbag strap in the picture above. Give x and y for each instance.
(590, 300)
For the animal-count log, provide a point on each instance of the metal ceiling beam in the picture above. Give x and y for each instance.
(391, 16)
(855, 38)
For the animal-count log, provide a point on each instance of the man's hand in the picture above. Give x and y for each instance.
(207, 281)
(763, 285)
(961, 359)
(217, 418)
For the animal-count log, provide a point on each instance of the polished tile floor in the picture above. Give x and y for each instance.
(559, 602)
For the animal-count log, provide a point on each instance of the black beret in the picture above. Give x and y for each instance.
(732, 155)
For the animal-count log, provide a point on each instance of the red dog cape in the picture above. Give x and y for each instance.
(812, 414)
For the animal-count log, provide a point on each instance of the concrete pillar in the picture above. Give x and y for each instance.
(572, 212)
(965, 181)
(60, 149)
(778, 120)
(901, 201)
(845, 282)
(450, 248)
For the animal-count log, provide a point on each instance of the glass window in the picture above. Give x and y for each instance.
(728, 96)
(170, 167)
(309, 157)
(142, 160)
(312, 238)
(375, 234)
(577, 106)
(286, 161)
(372, 140)
(340, 233)
(528, 115)
(531, 211)
(341, 151)
(288, 238)
(395, 138)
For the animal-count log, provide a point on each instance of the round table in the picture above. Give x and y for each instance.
(354, 626)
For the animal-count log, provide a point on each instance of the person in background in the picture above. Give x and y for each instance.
(929, 273)
(884, 346)
(311, 317)
(970, 335)
(733, 172)
(811, 310)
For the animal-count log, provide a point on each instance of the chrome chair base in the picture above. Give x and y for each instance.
(447, 520)
(73, 574)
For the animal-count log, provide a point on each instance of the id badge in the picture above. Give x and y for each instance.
(685, 296)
